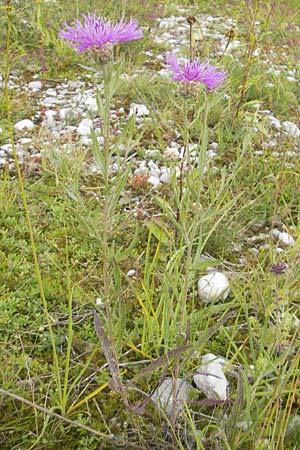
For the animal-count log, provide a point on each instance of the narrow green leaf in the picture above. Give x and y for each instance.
(159, 233)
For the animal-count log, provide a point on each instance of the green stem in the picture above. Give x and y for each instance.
(70, 329)
(106, 125)
(27, 215)
(107, 71)
(186, 152)
(106, 218)
(204, 143)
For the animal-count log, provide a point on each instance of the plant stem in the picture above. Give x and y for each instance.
(186, 139)
(106, 219)
(25, 204)
(70, 329)
(204, 143)
(107, 72)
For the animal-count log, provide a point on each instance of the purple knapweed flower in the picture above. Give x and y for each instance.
(96, 31)
(193, 71)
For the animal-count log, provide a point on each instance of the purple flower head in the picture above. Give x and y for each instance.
(193, 71)
(99, 32)
(278, 268)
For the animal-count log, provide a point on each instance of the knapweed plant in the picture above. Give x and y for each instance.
(98, 37)
(191, 73)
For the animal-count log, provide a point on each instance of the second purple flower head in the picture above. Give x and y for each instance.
(192, 71)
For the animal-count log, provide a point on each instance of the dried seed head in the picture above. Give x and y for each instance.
(191, 20)
(231, 33)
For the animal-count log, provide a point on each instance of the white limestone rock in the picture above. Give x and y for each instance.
(131, 273)
(84, 128)
(214, 146)
(64, 113)
(166, 177)
(91, 103)
(283, 236)
(154, 169)
(210, 377)
(154, 181)
(275, 123)
(163, 395)
(291, 129)
(139, 110)
(213, 287)
(25, 124)
(49, 101)
(49, 118)
(35, 85)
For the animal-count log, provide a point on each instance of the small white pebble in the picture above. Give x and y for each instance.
(131, 273)
(84, 128)
(166, 178)
(154, 181)
(291, 129)
(25, 124)
(35, 85)
(283, 236)
(139, 110)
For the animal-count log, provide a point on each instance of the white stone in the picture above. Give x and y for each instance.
(213, 146)
(210, 154)
(291, 128)
(7, 148)
(49, 101)
(24, 141)
(213, 287)
(171, 153)
(99, 301)
(139, 110)
(211, 379)
(154, 181)
(162, 396)
(35, 85)
(141, 170)
(152, 153)
(131, 273)
(154, 169)
(275, 123)
(91, 103)
(84, 128)
(166, 178)
(25, 124)
(283, 237)
(49, 118)
(51, 92)
(286, 238)
(275, 233)
(63, 113)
